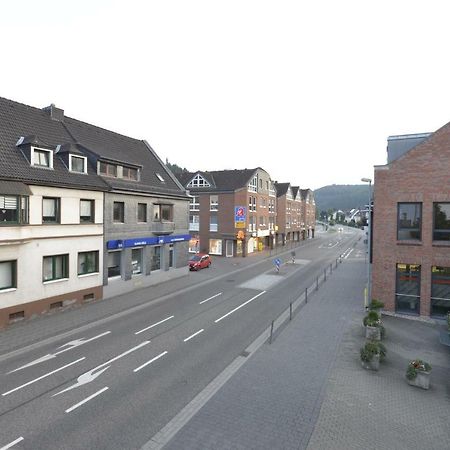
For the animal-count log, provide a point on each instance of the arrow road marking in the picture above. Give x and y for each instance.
(89, 376)
(44, 376)
(69, 346)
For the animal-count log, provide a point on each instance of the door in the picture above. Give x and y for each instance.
(229, 249)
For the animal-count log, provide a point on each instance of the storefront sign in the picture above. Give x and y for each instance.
(152, 240)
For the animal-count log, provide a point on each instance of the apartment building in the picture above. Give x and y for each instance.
(232, 212)
(308, 212)
(411, 225)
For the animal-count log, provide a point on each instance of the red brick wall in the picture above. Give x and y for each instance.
(421, 175)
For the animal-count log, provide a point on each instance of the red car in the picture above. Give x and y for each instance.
(199, 261)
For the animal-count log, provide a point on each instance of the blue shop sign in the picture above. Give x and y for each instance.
(139, 242)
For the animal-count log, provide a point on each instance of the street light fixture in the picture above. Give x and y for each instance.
(369, 237)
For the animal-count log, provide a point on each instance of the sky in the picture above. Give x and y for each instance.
(309, 91)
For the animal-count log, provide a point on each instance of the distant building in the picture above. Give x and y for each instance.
(411, 226)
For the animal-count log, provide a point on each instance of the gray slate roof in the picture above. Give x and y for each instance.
(282, 188)
(18, 120)
(220, 180)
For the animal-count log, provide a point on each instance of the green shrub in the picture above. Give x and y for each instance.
(376, 304)
(415, 366)
(372, 348)
(372, 319)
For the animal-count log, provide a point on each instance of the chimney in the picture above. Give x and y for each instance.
(55, 113)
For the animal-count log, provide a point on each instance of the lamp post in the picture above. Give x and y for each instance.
(369, 237)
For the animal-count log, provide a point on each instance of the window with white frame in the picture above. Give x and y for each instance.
(8, 275)
(213, 225)
(194, 203)
(213, 202)
(194, 222)
(78, 164)
(41, 157)
(253, 185)
(289, 194)
(198, 181)
(87, 211)
(272, 191)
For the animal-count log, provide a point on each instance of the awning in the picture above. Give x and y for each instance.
(14, 188)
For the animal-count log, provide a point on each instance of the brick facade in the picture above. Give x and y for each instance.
(420, 176)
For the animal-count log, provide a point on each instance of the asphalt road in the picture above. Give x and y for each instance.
(116, 385)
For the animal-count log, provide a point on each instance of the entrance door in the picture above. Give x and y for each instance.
(229, 249)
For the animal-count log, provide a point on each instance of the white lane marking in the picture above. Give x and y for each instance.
(348, 254)
(210, 298)
(44, 376)
(11, 444)
(88, 375)
(87, 399)
(239, 307)
(154, 325)
(149, 362)
(71, 344)
(193, 335)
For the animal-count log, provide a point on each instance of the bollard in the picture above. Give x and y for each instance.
(331, 268)
(306, 295)
(336, 263)
(290, 311)
(324, 274)
(271, 332)
(317, 283)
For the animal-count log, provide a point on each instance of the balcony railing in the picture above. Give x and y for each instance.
(163, 227)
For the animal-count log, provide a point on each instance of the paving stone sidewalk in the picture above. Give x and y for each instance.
(307, 390)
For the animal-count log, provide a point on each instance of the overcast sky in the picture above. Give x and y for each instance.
(307, 90)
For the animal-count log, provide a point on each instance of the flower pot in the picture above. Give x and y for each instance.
(373, 333)
(372, 365)
(422, 380)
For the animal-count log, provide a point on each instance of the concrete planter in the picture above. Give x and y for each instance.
(422, 380)
(373, 333)
(372, 365)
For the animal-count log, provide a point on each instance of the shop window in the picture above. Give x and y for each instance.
(55, 267)
(119, 212)
(50, 210)
(156, 258)
(87, 262)
(440, 291)
(114, 264)
(441, 222)
(136, 261)
(215, 246)
(409, 221)
(194, 244)
(407, 292)
(87, 211)
(8, 275)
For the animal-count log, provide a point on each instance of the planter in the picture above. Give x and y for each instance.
(373, 333)
(374, 364)
(421, 380)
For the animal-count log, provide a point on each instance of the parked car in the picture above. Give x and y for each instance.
(199, 261)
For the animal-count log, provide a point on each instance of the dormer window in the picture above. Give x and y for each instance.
(41, 157)
(198, 181)
(78, 164)
(253, 185)
(130, 173)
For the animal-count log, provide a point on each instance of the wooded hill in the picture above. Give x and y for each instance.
(341, 197)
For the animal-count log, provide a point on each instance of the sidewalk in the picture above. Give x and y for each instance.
(48, 325)
(308, 390)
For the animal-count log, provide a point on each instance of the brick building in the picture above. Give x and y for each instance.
(217, 199)
(411, 225)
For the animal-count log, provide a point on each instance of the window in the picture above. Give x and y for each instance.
(440, 291)
(160, 178)
(78, 164)
(55, 267)
(263, 202)
(171, 255)
(272, 191)
(155, 258)
(114, 264)
(215, 246)
(267, 185)
(198, 181)
(87, 262)
(142, 212)
(262, 221)
(214, 203)
(8, 275)
(253, 185)
(119, 212)
(162, 213)
(441, 223)
(407, 292)
(194, 222)
(129, 173)
(136, 260)
(107, 169)
(213, 222)
(50, 210)
(87, 211)
(13, 209)
(194, 244)
(41, 157)
(260, 183)
(194, 204)
(409, 221)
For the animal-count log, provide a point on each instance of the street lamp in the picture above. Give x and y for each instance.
(369, 237)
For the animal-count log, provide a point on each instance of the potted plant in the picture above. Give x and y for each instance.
(418, 373)
(371, 354)
(374, 327)
(376, 305)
